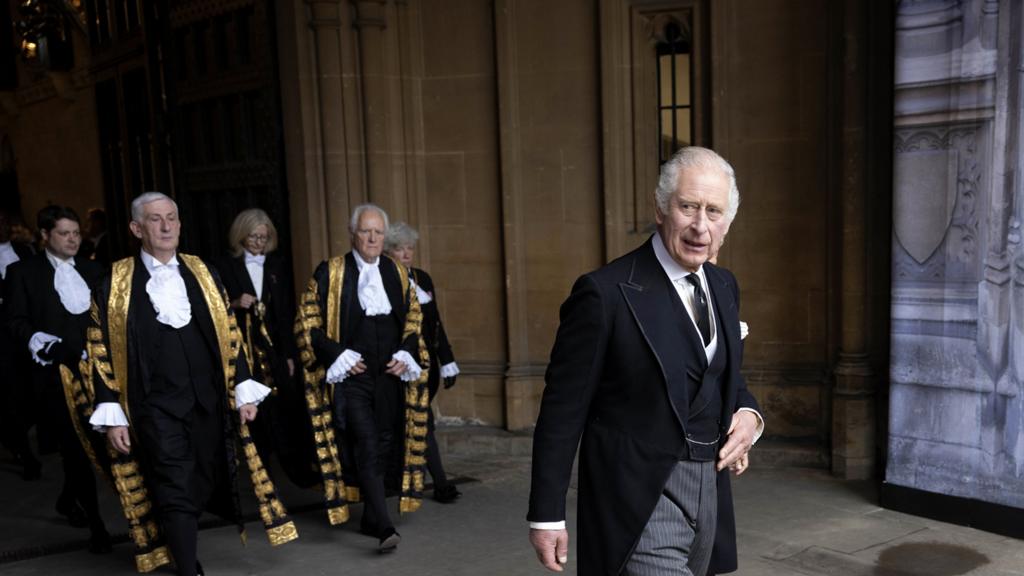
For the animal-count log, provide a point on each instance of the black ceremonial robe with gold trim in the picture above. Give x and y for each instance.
(114, 372)
(323, 329)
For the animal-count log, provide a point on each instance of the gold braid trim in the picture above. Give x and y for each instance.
(229, 340)
(117, 327)
(128, 484)
(319, 394)
(109, 361)
(417, 402)
(153, 560)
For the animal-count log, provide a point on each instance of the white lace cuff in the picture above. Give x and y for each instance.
(744, 330)
(250, 392)
(412, 368)
(344, 363)
(107, 415)
(450, 369)
(548, 525)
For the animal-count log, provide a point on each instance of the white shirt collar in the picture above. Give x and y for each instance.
(151, 263)
(56, 261)
(5, 246)
(363, 264)
(672, 269)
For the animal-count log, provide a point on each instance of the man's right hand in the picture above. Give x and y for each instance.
(119, 439)
(551, 546)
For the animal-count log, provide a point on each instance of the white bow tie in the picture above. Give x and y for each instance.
(255, 258)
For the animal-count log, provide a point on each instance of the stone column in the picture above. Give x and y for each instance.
(522, 379)
(339, 134)
(994, 289)
(381, 75)
(853, 404)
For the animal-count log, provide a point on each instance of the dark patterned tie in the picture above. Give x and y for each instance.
(700, 308)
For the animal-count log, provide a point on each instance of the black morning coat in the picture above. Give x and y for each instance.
(618, 350)
(32, 304)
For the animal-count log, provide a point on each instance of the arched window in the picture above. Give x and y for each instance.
(675, 88)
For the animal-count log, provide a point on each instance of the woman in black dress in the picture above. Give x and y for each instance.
(258, 282)
(400, 244)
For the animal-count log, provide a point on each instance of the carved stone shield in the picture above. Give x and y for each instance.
(924, 198)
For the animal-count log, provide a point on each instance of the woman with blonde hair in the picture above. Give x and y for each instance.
(258, 281)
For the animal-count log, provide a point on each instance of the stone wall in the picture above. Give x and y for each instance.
(956, 402)
(514, 117)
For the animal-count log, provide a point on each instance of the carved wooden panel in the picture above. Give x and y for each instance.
(223, 106)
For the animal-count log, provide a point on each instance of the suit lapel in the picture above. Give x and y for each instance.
(349, 298)
(725, 307)
(648, 295)
(200, 309)
(728, 334)
(393, 286)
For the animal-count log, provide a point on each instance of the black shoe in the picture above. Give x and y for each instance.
(446, 494)
(99, 542)
(199, 569)
(389, 540)
(73, 512)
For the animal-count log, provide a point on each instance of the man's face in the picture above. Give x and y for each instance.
(368, 238)
(65, 238)
(159, 229)
(695, 223)
(404, 254)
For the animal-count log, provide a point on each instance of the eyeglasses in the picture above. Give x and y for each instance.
(258, 238)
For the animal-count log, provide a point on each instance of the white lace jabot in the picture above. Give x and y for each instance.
(166, 289)
(73, 291)
(372, 297)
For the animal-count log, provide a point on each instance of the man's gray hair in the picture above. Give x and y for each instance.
(400, 234)
(357, 213)
(145, 198)
(695, 157)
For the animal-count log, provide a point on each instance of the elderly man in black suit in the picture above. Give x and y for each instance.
(646, 368)
(173, 392)
(47, 303)
(360, 340)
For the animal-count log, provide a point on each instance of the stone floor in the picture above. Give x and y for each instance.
(792, 521)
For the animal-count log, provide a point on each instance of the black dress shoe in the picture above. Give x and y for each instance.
(389, 540)
(446, 494)
(99, 542)
(73, 512)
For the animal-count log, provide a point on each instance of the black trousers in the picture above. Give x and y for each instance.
(371, 407)
(185, 462)
(79, 481)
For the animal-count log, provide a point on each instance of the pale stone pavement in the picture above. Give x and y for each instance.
(792, 521)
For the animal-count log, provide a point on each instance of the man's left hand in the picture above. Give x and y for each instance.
(396, 367)
(247, 412)
(739, 439)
